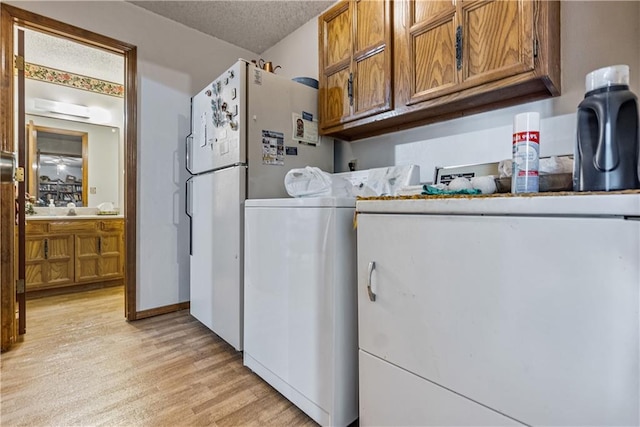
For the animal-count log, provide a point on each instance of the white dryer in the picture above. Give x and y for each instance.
(300, 317)
(300, 294)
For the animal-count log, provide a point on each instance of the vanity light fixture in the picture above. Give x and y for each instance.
(62, 108)
(94, 114)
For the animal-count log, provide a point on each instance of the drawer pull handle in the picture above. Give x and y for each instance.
(459, 47)
(372, 266)
(46, 248)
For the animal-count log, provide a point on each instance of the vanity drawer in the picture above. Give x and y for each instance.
(34, 227)
(112, 225)
(72, 226)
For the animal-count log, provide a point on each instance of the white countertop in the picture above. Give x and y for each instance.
(70, 217)
(61, 214)
(566, 203)
(302, 202)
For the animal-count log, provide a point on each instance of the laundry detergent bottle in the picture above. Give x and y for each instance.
(606, 153)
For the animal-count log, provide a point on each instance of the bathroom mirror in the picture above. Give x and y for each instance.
(71, 162)
(58, 160)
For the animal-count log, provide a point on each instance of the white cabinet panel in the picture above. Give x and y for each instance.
(534, 317)
(413, 401)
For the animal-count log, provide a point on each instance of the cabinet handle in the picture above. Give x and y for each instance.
(46, 248)
(459, 47)
(372, 266)
(100, 245)
(350, 89)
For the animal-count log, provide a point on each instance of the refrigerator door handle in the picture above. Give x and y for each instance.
(189, 202)
(188, 146)
(189, 211)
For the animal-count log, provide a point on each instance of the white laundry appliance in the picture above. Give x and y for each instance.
(301, 298)
(249, 127)
(492, 311)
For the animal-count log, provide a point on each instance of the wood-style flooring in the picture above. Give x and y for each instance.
(82, 363)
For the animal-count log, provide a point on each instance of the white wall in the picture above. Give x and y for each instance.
(297, 53)
(593, 35)
(174, 62)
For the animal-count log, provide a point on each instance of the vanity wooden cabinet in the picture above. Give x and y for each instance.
(49, 260)
(452, 58)
(99, 254)
(73, 251)
(355, 61)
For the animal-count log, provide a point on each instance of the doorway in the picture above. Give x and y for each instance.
(10, 128)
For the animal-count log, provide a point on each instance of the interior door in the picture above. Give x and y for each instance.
(7, 230)
(12, 241)
(20, 244)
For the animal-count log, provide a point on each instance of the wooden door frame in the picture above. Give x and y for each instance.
(10, 16)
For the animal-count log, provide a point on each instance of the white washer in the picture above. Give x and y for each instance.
(300, 296)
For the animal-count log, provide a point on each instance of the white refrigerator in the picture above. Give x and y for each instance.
(249, 127)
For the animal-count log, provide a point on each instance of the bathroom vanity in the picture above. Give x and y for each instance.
(72, 250)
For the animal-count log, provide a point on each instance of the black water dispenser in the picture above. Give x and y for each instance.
(607, 152)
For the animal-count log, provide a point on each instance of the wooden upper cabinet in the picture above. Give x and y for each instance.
(432, 57)
(450, 58)
(355, 61)
(497, 39)
(456, 44)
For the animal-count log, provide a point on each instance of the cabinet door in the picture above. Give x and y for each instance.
(59, 254)
(48, 261)
(497, 39)
(430, 51)
(87, 258)
(537, 318)
(335, 64)
(372, 58)
(390, 396)
(449, 46)
(35, 263)
(355, 61)
(111, 255)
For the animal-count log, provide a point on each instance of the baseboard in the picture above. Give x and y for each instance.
(41, 293)
(161, 310)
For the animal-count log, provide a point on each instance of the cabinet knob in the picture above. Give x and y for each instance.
(372, 296)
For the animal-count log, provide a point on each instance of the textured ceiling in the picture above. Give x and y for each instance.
(252, 25)
(67, 55)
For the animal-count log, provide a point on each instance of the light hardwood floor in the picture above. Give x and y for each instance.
(82, 363)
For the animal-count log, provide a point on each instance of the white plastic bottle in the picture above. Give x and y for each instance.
(52, 207)
(526, 153)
